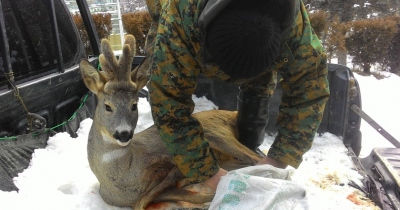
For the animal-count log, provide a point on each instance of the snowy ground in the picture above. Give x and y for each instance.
(59, 176)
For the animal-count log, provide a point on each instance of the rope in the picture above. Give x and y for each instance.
(10, 79)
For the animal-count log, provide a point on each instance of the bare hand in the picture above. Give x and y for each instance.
(273, 162)
(213, 181)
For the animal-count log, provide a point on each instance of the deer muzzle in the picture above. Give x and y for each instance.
(123, 138)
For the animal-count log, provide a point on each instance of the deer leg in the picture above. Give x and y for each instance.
(167, 191)
(195, 193)
(221, 131)
(229, 146)
(148, 197)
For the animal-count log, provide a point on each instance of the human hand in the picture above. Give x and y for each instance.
(213, 181)
(273, 162)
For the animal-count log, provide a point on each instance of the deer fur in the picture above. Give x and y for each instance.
(135, 169)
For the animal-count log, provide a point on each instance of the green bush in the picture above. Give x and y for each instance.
(102, 22)
(368, 40)
(138, 24)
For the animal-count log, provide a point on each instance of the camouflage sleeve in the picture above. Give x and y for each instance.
(305, 92)
(172, 83)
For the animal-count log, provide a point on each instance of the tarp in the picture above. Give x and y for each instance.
(15, 156)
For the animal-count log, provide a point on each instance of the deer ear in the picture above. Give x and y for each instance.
(142, 81)
(140, 74)
(92, 78)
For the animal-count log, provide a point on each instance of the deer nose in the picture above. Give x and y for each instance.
(124, 136)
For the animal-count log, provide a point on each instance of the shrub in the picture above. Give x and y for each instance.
(330, 30)
(368, 40)
(393, 55)
(102, 22)
(334, 42)
(319, 23)
(138, 24)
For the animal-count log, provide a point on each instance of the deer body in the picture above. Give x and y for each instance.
(136, 169)
(121, 171)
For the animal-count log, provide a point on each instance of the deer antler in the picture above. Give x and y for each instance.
(128, 52)
(118, 71)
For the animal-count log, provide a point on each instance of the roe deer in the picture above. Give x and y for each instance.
(135, 169)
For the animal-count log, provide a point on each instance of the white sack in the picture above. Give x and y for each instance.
(261, 187)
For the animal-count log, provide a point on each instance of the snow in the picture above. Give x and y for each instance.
(380, 101)
(59, 176)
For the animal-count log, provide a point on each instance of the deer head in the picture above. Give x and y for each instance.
(116, 88)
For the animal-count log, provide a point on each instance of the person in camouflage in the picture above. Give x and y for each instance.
(185, 40)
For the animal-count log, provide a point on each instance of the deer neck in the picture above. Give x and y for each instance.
(105, 151)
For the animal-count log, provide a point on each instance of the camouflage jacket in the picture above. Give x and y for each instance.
(175, 47)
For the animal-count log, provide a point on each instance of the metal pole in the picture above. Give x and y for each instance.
(5, 48)
(56, 37)
(121, 29)
(89, 25)
(375, 125)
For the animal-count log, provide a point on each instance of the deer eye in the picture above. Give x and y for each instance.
(134, 107)
(108, 108)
